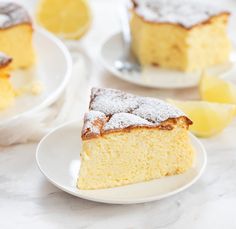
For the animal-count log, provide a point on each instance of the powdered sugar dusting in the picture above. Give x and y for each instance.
(12, 14)
(113, 109)
(92, 120)
(155, 110)
(124, 120)
(110, 101)
(184, 12)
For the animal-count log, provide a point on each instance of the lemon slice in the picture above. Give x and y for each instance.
(208, 118)
(69, 19)
(214, 89)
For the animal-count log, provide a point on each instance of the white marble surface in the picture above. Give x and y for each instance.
(28, 200)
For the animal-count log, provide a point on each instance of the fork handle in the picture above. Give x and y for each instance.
(124, 19)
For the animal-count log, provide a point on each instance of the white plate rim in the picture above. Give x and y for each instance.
(121, 76)
(54, 95)
(107, 201)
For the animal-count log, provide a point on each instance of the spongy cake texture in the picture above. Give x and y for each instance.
(129, 139)
(7, 92)
(182, 35)
(16, 34)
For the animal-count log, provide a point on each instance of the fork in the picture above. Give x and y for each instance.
(127, 62)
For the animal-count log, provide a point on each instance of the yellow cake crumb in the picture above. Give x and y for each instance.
(172, 45)
(16, 33)
(140, 155)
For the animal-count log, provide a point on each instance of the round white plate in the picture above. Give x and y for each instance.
(58, 159)
(154, 77)
(52, 70)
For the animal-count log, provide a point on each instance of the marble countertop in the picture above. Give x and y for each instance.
(28, 200)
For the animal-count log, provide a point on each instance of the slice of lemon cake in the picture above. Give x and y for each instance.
(5, 62)
(179, 34)
(16, 34)
(7, 92)
(128, 139)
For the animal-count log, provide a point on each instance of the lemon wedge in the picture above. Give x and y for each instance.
(69, 19)
(214, 89)
(208, 118)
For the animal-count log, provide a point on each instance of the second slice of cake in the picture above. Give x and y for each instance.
(16, 33)
(179, 34)
(7, 92)
(129, 139)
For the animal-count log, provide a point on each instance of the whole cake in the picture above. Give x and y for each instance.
(16, 34)
(179, 34)
(128, 139)
(7, 92)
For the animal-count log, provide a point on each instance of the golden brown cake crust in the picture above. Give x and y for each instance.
(113, 111)
(4, 60)
(187, 15)
(12, 14)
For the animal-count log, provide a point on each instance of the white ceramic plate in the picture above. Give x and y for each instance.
(154, 77)
(52, 70)
(58, 159)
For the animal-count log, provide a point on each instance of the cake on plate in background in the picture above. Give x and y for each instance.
(178, 34)
(16, 34)
(5, 62)
(129, 139)
(16, 47)
(7, 92)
